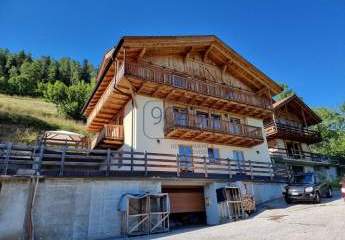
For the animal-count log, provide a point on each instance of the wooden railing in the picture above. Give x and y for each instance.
(41, 160)
(106, 94)
(193, 121)
(109, 132)
(160, 75)
(273, 127)
(285, 154)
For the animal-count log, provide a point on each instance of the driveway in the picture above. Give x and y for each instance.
(325, 221)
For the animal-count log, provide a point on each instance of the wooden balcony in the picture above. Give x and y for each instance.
(111, 136)
(191, 127)
(157, 81)
(300, 157)
(283, 131)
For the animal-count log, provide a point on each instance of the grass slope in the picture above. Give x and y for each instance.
(23, 119)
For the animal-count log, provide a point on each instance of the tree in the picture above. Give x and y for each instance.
(332, 129)
(285, 93)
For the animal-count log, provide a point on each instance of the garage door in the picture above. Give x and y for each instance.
(186, 200)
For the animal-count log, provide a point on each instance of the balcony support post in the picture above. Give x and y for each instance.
(205, 167)
(108, 161)
(177, 165)
(271, 170)
(145, 159)
(251, 169)
(229, 168)
(62, 162)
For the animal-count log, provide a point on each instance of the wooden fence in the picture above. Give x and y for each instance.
(42, 160)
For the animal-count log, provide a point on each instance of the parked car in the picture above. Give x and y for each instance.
(306, 187)
(343, 188)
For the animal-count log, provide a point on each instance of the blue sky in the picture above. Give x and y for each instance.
(301, 43)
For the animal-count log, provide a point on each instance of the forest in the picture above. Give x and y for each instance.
(64, 82)
(68, 83)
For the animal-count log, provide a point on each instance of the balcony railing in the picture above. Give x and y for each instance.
(110, 133)
(64, 162)
(282, 154)
(310, 136)
(194, 122)
(160, 75)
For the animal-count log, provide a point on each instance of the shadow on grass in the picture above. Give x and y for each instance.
(26, 121)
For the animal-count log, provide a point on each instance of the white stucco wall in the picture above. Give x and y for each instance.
(149, 133)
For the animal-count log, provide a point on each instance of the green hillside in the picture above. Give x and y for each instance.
(22, 119)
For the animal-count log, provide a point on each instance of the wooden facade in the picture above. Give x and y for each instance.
(197, 71)
(289, 135)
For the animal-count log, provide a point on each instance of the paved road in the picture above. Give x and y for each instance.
(277, 221)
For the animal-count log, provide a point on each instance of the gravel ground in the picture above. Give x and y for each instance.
(325, 221)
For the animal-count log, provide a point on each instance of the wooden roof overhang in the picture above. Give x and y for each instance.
(134, 48)
(295, 105)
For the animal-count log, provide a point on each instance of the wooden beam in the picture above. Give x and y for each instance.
(207, 52)
(188, 54)
(141, 54)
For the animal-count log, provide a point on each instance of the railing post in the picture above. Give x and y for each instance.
(132, 161)
(229, 168)
(145, 159)
(178, 165)
(7, 159)
(108, 161)
(251, 169)
(272, 170)
(38, 160)
(205, 167)
(62, 163)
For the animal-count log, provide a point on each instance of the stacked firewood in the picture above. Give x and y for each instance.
(248, 202)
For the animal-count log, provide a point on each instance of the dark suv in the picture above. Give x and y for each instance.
(306, 187)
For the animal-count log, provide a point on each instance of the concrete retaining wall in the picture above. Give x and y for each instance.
(264, 192)
(13, 201)
(88, 208)
(68, 209)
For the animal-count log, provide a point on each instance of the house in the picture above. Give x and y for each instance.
(176, 116)
(290, 138)
(190, 97)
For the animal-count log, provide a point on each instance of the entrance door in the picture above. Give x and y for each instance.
(181, 117)
(185, 157)
(235, 127)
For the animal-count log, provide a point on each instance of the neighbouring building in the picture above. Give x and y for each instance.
(290, 138)
(182, 115)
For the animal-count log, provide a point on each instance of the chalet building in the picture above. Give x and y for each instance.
(189, 98)
(290, 138)
(179, 124)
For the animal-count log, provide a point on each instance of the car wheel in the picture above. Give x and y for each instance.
(288, 200)
(329, 193)
(317, 198)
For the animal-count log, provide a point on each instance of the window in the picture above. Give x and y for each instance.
(185, 156)
(215, 121)
(294, 150)
(239, 157)
(202, 119)
(213, 154)
(180, 116)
